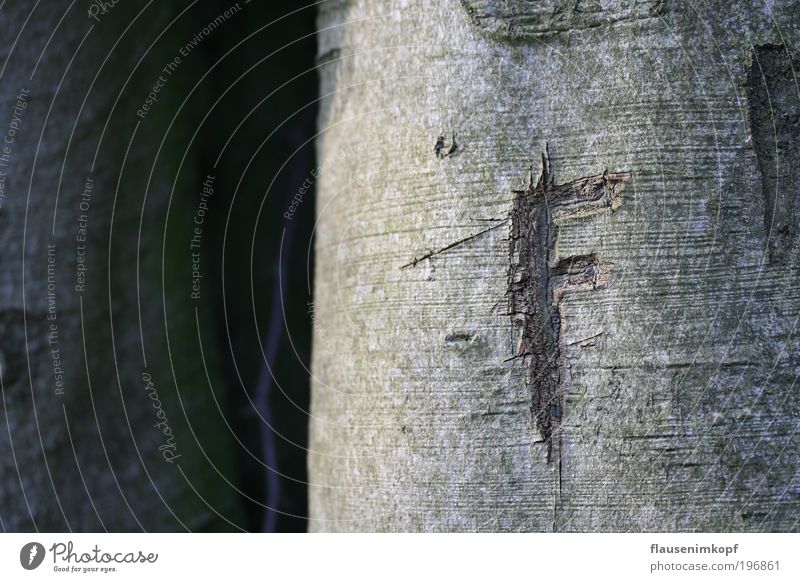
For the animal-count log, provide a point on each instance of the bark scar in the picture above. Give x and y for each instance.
(444, 249)
(523, 19)
(774, 115)
(442, 149)
(537, 281)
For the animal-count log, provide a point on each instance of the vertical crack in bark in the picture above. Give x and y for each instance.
(774, 121)
(537, 281)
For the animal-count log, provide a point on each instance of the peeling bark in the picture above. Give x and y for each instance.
(538, 280)
(514, 19)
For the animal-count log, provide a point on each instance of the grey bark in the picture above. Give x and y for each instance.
(675, 404)
(88, 458)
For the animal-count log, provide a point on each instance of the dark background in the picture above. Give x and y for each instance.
(80, 436)
(267, 89)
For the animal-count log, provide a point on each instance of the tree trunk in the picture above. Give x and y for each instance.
(558, 252)
(97, 276)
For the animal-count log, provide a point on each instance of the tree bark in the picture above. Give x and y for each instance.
(557, 267)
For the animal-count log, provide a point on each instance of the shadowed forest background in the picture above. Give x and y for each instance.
(156, 148)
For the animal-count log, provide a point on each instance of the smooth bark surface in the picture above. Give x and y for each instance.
(677, 401)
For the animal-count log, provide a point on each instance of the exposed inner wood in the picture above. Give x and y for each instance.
(537, 280)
